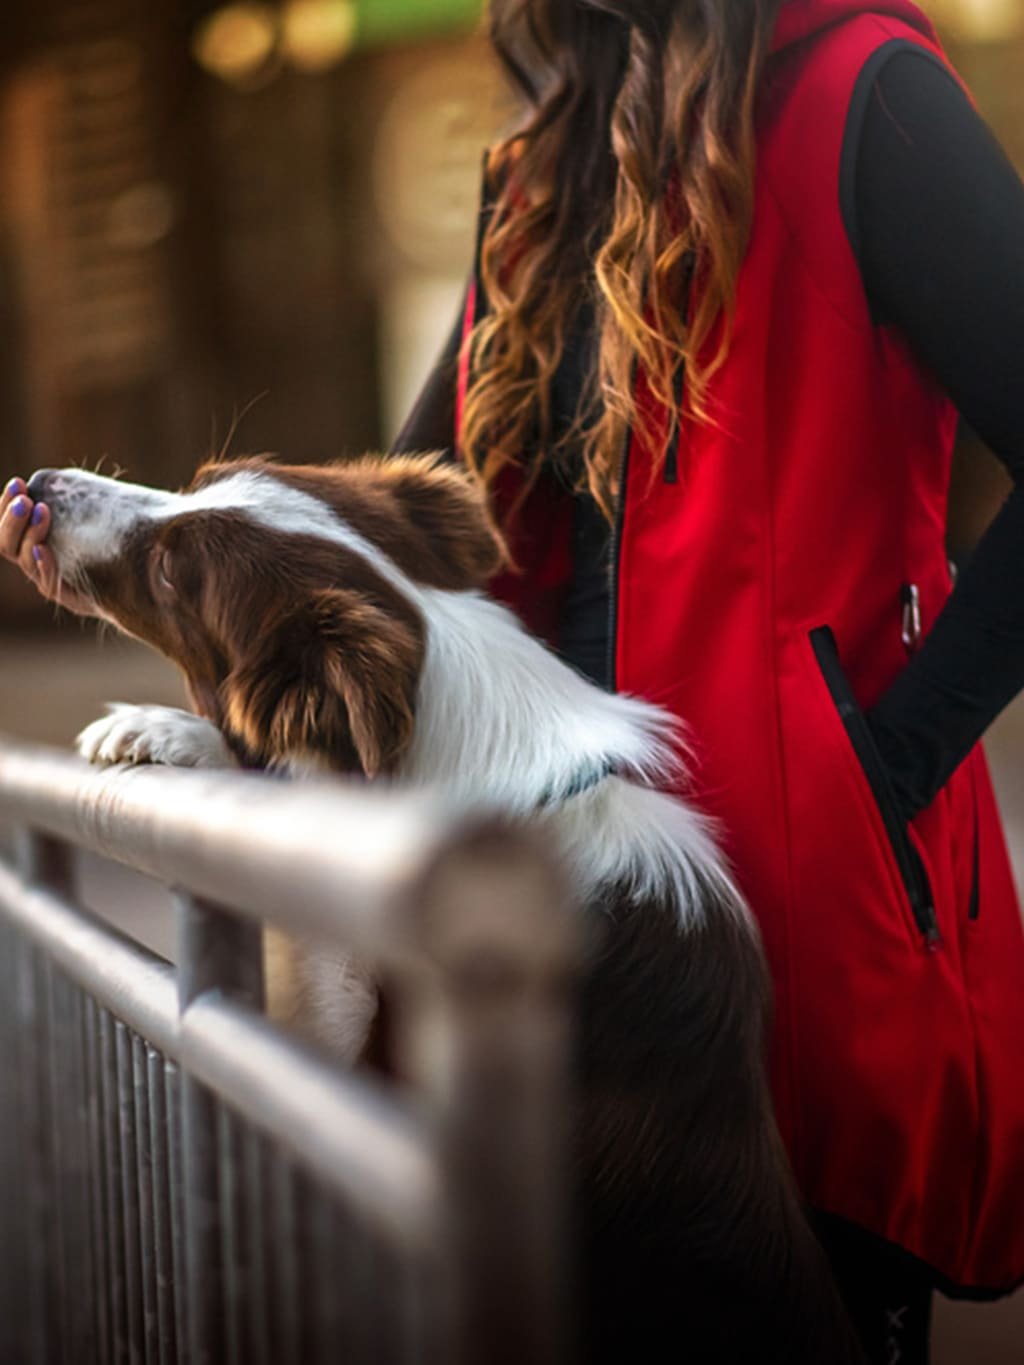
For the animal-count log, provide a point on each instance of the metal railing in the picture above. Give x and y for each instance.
(182, 1179)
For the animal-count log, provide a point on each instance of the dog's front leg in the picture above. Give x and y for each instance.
(154, 734)
(322, 993)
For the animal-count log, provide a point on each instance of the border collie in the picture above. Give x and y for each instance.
(332, 619)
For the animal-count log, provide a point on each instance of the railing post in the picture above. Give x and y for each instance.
(47, 862)
(490, 1040)
(216, 952)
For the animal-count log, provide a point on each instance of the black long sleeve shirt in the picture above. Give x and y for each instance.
(936, 215)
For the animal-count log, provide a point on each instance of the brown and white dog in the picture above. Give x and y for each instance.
(332, 619)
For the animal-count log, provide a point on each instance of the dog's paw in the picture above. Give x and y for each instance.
(154, 734)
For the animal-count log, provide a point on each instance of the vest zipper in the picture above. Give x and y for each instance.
(613, 560)
(670, 473)
(911, 869)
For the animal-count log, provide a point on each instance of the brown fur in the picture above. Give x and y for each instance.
(695, 1244)
(426, 516)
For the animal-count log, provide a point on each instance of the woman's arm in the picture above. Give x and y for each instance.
(940, 224)
(431, 423)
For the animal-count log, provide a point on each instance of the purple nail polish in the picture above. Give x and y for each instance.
(13, 487)
(19, 507)
(37, 513)
(37, 553)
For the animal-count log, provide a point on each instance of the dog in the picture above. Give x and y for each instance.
(333, 619)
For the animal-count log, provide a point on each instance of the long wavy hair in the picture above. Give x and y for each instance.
(632, 167)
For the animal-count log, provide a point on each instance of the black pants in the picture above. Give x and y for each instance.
(887, 1295)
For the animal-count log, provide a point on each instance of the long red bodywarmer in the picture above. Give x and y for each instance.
(818, 500)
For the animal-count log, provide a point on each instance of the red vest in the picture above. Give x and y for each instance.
(818, 499)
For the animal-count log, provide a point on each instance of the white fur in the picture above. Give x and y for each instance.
(500, 718)
(154, 734)
(645, 845)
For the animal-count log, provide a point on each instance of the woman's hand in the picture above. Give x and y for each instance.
(24, 526)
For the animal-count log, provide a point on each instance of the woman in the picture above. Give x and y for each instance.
(730, 267)
(760, 546)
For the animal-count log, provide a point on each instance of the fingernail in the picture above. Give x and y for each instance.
(13, 487)
(37, 513)
(19, 507)
(37, 553)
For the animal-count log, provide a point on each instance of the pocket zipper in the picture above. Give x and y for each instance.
(973, 905)
(974, 900)
(912, 870)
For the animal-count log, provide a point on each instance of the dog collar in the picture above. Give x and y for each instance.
(584, 781)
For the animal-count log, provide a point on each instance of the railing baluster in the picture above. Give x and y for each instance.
(40, 1298)
(283, 1253)
(161, 1204)
(215, 953)
(259, 1232)
(129, 1190)
(234, 1243)
(101, 1236)
(86, 1292)
(116, 1265)
(176, 1191)
(72, 1174)
(144, 1175)
(307, 1261)
(12, 1244)
(54, 1102)
(46, 862)
(330, 1294)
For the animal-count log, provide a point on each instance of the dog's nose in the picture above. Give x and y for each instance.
(37, 484)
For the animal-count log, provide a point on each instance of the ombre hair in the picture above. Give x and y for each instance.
(633, 166)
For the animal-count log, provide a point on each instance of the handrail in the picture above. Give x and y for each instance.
(272, 850)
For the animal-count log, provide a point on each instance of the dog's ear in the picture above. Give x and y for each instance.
(447, 521)
(334, 683)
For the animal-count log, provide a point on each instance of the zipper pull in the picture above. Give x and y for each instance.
(910, 598)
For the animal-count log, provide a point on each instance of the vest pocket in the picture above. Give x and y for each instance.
(908, 861)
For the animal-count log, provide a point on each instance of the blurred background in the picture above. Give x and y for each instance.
(251, 222)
